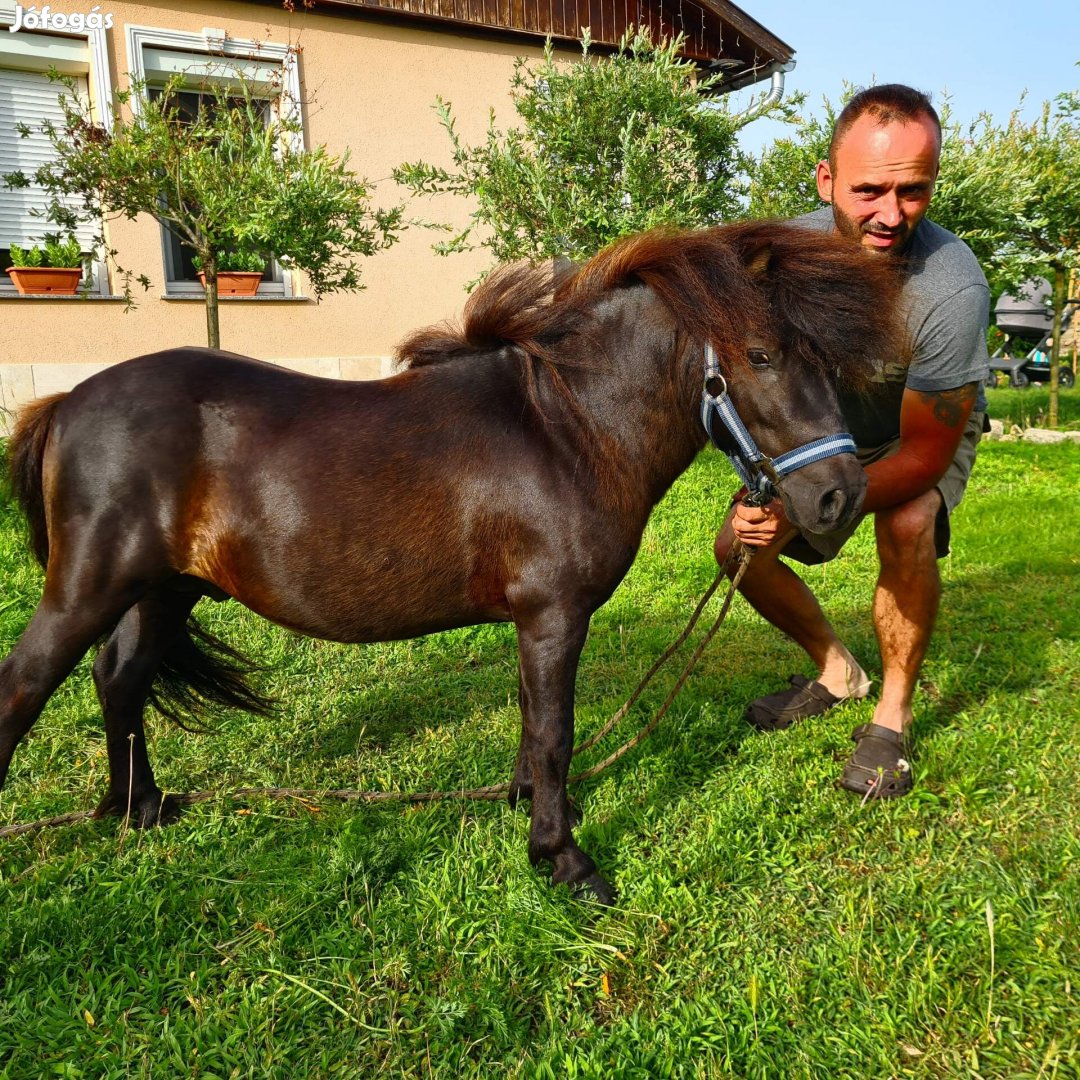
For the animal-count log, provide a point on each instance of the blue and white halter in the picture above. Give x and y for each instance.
(760, 474)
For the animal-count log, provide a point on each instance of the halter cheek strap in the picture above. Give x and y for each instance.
(760, 474)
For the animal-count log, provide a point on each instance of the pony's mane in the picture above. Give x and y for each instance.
(832, 304)
(514, 305)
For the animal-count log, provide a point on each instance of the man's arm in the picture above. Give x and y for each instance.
(931, 427)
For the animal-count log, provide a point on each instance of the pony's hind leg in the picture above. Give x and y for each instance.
(124, 674)
(52, 644)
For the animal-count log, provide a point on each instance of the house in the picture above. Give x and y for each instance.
(374, 68)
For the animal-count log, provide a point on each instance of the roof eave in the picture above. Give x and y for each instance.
(758, 34)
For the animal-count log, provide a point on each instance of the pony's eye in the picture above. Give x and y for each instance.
(758, 358)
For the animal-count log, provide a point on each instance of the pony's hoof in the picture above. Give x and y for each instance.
(163, 810)
(594, 890)
(144, 812)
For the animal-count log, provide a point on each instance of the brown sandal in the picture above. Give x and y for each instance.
(878, 767)
(774, 712)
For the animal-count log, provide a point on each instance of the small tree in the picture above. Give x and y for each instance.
(228, 180)
(781, 181)
(980, 197)
(606, 146)
(1046, 235)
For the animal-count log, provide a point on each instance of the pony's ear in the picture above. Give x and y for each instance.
(758, 263)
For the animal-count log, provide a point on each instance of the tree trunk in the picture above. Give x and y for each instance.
(1055, 349)
(1074, 293)
(213, 327)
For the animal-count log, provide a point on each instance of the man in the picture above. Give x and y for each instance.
(916, 436)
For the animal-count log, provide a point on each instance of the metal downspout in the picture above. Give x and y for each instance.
(771, 98)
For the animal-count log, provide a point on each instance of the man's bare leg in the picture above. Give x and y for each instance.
(905, 603)
(782, 598)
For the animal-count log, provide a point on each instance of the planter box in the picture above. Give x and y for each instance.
(235, 282)
(49, 280)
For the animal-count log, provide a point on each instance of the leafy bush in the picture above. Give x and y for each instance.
(66, 254)
(63, 253)
(31, 257)
(237, 260)
(604, 147)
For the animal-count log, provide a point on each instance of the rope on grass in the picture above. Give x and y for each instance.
(494, 791)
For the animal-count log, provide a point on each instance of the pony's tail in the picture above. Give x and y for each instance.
(200, 671)
(26, 451)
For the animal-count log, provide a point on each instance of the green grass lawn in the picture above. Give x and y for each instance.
(767, 926)
(1030, 407)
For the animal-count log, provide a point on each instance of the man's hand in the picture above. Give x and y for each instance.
(759, 526)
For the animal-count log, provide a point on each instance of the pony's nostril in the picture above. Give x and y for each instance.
(833, 505)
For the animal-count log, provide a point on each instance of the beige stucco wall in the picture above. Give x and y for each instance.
(373, 86)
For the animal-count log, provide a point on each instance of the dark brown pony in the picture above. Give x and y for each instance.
(506, 475)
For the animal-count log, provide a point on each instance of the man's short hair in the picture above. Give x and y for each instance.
(889, 103)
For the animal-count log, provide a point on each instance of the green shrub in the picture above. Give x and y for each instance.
(26, 257)
(55, 253)
(238, 261)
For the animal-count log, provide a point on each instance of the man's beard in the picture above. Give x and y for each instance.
(850, 228)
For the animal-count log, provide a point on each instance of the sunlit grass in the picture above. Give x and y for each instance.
(767, 925)
(1030, 407)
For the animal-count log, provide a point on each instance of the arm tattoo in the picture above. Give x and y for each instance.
(951, 407)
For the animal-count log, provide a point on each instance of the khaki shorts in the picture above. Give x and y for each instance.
(814, 548)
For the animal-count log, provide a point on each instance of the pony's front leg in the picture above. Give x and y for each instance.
(521, 786)
(550, 644)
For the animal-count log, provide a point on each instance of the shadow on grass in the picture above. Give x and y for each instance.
(996, 632)
(443, 681)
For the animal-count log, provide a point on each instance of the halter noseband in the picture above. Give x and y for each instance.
(760, 474)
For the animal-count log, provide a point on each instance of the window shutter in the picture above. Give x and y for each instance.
(27, 97)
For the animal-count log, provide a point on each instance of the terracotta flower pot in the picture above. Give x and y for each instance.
(235, 282)
(55, 281)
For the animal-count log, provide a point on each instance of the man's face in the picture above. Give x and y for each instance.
(881, 181)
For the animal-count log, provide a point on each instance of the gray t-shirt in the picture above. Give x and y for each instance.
(948, 308)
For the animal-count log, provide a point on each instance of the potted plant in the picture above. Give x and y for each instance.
(55, 269)
(239, 271)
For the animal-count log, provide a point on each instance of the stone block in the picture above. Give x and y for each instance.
(365, 367)
(326, 367)
(1043, 436)
(16, 389)
(54, 378)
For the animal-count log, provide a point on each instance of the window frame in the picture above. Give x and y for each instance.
(213, 42)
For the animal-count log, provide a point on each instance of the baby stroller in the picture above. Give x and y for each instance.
(1029, 318)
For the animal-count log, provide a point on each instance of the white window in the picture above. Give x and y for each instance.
(28, 99)
(210, 56)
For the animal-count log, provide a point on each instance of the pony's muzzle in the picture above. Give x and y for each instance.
(825, 496)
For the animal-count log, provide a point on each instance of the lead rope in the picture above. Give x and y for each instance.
(738, 554)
